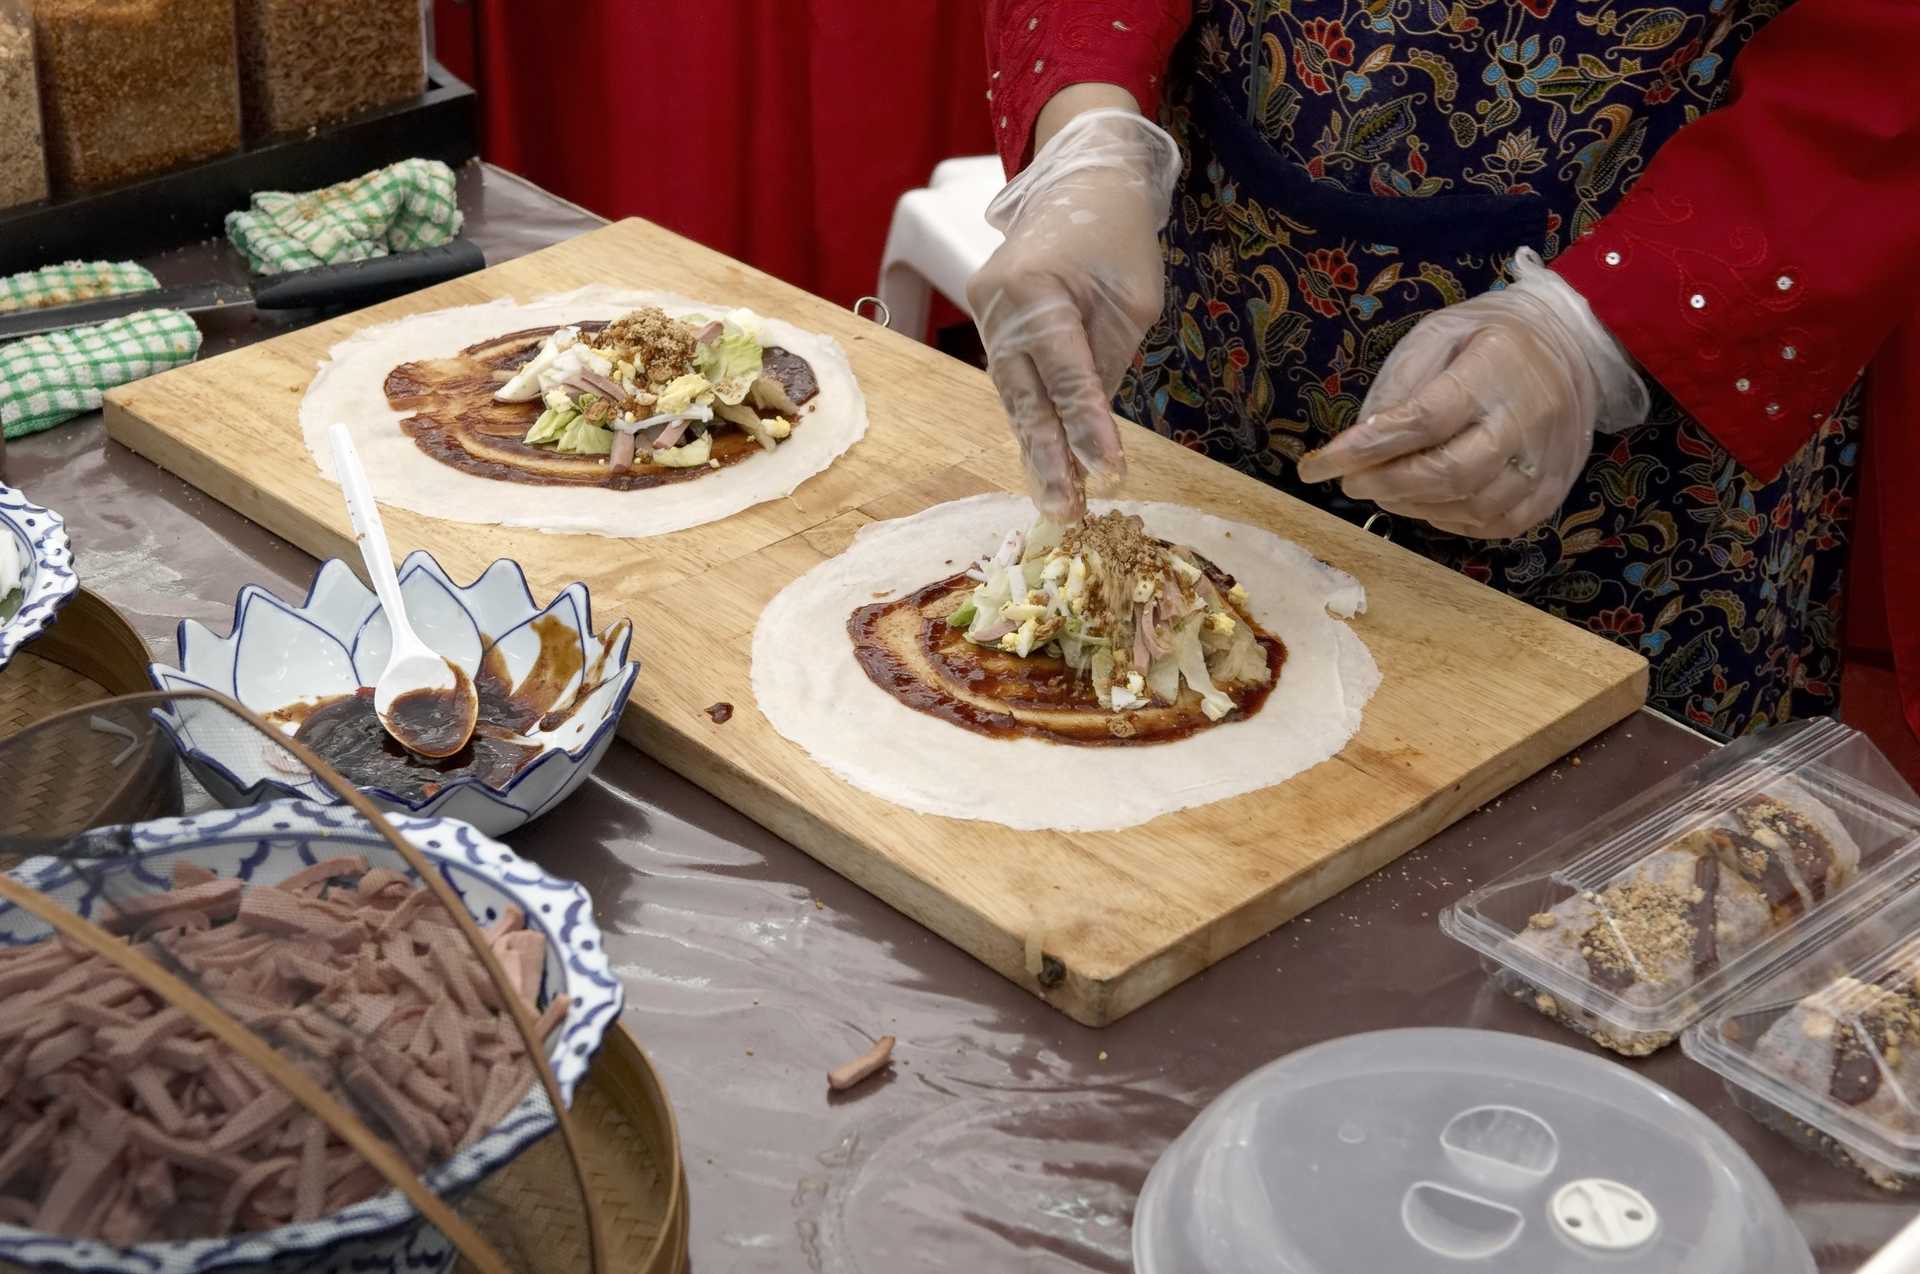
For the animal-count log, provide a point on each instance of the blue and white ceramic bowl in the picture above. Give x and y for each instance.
(270, 843)
(37, 537)
(279, 655)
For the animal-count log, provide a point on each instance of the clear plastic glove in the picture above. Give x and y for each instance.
(1063, 304)
(1484, 414)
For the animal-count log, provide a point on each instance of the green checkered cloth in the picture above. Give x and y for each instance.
(397, 209)
(72, 283)
(48, 379)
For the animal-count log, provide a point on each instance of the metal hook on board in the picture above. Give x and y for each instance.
(883, 316)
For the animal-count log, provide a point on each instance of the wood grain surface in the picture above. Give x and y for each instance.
(1478, 690)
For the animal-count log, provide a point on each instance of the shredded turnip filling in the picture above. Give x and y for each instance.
(122, 1121)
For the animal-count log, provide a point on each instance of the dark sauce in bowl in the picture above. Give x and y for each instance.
(347, 732)
(433, 722)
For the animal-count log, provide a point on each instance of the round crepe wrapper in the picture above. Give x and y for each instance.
(351, 388)
(813, 690)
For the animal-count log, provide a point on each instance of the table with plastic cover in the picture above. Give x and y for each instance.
(1006, 1137)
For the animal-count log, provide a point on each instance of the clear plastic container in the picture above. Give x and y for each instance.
(23, 150)
(1457, 1152)
(1824, 1046)
(1631, 929)
(135, 87)
(304, 63)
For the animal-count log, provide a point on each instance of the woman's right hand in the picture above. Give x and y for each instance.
(1063, 304)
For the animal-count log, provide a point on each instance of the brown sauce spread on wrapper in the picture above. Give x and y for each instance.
(907, 648)
(459, 422)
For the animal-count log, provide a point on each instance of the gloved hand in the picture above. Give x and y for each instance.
(1484, 414)
(1062, 305)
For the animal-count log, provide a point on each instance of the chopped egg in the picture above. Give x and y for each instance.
(1237, 595)
(1054, 571)
(778, 426)
(1221, 622)
(1024, 638)
(1143, 590)
(562, 357)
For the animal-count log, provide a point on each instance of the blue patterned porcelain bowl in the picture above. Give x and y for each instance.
(270, 843)
(36, 539)
(279, 656)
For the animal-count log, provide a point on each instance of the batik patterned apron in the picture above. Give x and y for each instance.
(1353, 165)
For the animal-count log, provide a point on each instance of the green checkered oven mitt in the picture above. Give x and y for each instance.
(51, 378)
(72, 283)
(396, 209)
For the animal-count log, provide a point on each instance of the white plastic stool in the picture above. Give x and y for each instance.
(939, 237)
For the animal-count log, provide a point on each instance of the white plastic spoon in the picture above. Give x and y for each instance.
(426, 703)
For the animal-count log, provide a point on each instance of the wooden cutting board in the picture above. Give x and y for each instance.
(1479, 690)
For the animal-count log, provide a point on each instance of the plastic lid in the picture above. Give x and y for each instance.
(1825, 1045)
(1630, 929)
(1456, 1151)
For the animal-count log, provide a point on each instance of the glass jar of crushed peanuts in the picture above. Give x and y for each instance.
(131, 88)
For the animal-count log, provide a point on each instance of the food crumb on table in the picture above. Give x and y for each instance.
(869, 1063)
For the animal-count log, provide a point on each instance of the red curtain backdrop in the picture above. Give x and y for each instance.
(780, 133)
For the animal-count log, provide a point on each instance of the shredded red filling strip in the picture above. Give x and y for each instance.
(121, 1120)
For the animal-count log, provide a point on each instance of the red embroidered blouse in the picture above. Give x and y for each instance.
(1770, 251)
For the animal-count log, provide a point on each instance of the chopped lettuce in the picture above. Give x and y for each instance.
(1166, 629)
(552, 423)
(746, 320)
(583, 438)
(681, 393)
(731, 361)
(688, 455)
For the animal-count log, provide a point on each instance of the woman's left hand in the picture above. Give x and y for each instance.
(1484, 414)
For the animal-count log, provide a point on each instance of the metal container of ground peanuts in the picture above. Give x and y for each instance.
(1633, 928)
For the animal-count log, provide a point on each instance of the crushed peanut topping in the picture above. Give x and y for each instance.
(649, 339)
(1644, 930)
